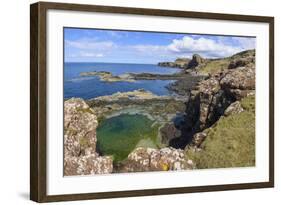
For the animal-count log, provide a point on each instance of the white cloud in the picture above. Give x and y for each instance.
(188, 45)
(204, 46)
(246, 43)
(89, 54)
(88, 43)
(179, 47)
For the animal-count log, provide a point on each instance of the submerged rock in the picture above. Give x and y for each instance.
(148, 159)
(80, 156)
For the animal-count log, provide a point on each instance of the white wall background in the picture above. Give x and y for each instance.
(14, 103)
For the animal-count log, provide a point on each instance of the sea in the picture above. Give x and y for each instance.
(91, 86)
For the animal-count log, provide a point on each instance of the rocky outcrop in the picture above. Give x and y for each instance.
(182, 62)
(166, 64)
(178, 63)
(219, 91)
(148, 159)
(108, 76)
(239, 82)
(211, 97)
(153, 76)
(196, 61)
(132, 77)
(80, 156)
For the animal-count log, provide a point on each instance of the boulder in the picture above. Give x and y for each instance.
(242, 78)
(149, 159)
(234, 108)
(239, 82)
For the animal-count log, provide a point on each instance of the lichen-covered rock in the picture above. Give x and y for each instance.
(198, 138)
(148, 159)
(234, 108)
(80, 140)
(79, 128)
(242, 78)
(88, 164)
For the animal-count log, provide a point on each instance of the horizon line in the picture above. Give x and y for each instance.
(108, 62)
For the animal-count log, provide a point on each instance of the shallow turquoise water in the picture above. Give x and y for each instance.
(119, 135)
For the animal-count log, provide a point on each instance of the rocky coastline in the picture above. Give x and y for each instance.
(192, 120)
(132, 77)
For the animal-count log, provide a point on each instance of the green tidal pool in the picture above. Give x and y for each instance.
(119, 135)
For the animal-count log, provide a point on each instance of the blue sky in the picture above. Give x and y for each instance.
(93, 45)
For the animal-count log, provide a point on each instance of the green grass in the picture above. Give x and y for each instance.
(118, 136)
(215, 66)
(230, 142)
(218, 65)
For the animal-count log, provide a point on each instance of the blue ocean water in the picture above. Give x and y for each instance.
(91, 87)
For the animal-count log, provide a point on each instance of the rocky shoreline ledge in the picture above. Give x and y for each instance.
(132, 77)
(215, 128)
(138, 101)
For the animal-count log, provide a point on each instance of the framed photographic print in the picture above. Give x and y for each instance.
(134, 102)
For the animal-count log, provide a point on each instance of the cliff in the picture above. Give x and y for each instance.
(212, 96)
(219, 126)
